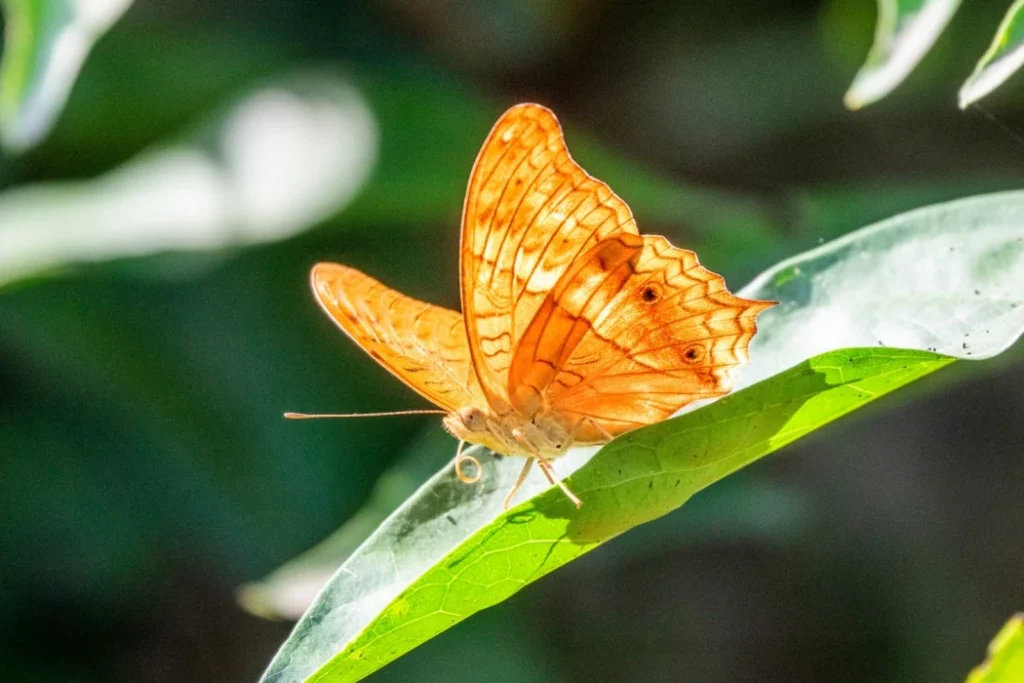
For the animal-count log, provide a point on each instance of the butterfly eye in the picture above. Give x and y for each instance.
(473, 418)
(650, 294)
(694, 353)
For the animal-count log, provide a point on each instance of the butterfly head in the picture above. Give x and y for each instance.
(470, 424)
(473, 419)
(481, 426)
(474, 425)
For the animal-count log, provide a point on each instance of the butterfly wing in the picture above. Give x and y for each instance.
(530, 211)
(421, 344)
(635, 330)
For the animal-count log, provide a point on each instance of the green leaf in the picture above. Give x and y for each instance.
(45, 44)
(947, 278)
(1002, 59)
(1005, 663)
(905, 31)
(631, 481)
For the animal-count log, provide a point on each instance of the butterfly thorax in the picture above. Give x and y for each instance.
(511, 434)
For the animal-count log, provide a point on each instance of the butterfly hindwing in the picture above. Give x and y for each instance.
(421, 344)
(530, 211)
(635, 330)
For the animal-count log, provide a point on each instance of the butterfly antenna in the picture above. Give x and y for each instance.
(316, 416)
(460, 458)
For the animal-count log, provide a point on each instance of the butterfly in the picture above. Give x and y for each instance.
(575, 328)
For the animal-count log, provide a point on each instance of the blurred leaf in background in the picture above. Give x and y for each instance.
(1002, 59)
(289, 155)
(905, 31)
(45, 44)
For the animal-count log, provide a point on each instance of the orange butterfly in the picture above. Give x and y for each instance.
(576, 328)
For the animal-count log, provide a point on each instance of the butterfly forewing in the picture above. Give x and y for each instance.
(421, 344)
(635, 330)
(530, 211)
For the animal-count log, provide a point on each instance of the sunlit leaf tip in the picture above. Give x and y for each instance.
(905, 31)
(1004, 57)
(1005, 662)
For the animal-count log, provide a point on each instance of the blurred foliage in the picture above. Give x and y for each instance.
(146, 470)
(45, 44)
(289, 154)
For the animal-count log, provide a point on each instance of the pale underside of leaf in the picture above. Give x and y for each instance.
(905, 31)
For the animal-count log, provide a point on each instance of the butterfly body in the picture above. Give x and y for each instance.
(575, 328)
(511, 434)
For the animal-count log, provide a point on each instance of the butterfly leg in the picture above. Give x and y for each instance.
(549, 472)
(604, 432)
(546, 468)
(519, 482)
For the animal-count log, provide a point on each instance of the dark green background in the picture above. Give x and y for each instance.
(145, 471)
